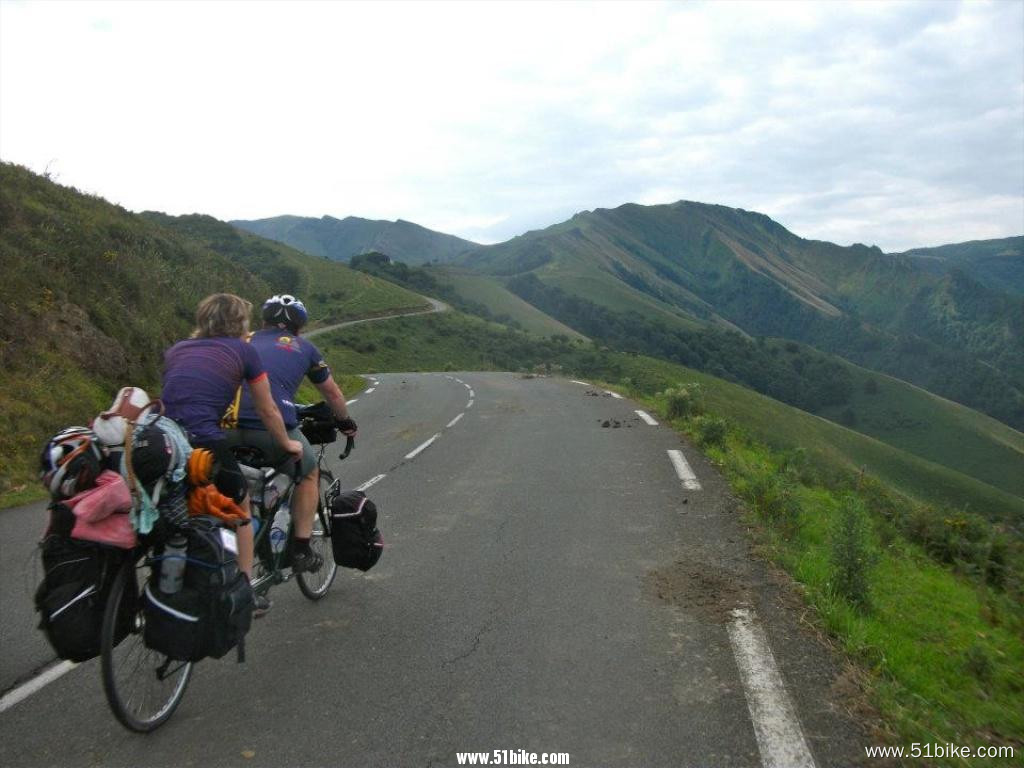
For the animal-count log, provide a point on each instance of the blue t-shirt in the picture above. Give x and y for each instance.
(201, 377)
(287, 359)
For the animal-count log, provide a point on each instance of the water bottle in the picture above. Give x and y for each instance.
(279, 529)
(172, 567)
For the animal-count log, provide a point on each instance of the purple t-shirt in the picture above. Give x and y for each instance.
(201, 377)
(288, 359)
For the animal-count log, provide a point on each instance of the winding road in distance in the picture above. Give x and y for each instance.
(561, 575)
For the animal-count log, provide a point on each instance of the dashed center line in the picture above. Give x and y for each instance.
(647, 418)
(371, 389)
(583, 383)
(472, 394)
(371, 481)
(353, 400)
(780, 739)
(689, 479)
(417, 451)
(470, 403)
(454, 421)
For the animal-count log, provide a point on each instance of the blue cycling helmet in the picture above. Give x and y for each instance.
(285, 311)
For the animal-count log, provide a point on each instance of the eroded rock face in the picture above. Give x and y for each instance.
(71, 333)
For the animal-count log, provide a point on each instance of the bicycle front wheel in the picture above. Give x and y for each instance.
(143, 687)
(315, 585)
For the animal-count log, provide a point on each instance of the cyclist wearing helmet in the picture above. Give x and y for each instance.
(201, 376)
(288, 358)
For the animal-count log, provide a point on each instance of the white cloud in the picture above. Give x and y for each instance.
(847, 122)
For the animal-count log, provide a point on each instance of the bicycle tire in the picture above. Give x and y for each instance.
(129, 668)
(314, 586)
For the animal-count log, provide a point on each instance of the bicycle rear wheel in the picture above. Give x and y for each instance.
(315, 585)
(143, 687)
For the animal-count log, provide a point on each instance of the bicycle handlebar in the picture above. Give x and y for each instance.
(350, 443)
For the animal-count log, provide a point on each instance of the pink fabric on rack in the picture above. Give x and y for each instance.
(102, 513)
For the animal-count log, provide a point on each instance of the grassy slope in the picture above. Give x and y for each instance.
(501, 302)
(936, 429)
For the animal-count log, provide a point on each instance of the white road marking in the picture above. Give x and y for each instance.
(647, 418)
(353, 400)
(616, 395)
(780, 739)
(454, 421)
(574, 381)
(472, 394)
(689, 479)
(371, 481)
(25, 690)
(416, 452)
(371, 389)
(461, 382)
(470, 403)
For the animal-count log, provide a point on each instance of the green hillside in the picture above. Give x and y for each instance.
(341, 239)
(92, 295)
(997, 264)
(689, 263)
(502, 304)
(332, 292)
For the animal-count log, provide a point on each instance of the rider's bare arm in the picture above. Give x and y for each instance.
(265, 406)
(334, 396)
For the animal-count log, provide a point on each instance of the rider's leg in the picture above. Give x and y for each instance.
(304, 504)
(245, 541)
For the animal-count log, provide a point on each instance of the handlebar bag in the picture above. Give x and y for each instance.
(355, 539)
(316, 422)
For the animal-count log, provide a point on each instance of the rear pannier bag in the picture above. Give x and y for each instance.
(72, 596)
(355, 538)
(212, 612)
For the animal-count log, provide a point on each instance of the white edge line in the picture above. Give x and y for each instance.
(417, 451)
(647, 418)
(616, 395)
(454, 421)
(371, 389)
(371, 481)
(689, 479)
(583, 383)
(353, 400)
(470, 403)
(780, 740)
(25, 690)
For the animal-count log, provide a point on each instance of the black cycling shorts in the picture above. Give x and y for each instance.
(227, 475)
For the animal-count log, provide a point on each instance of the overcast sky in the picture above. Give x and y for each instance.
(897, 124)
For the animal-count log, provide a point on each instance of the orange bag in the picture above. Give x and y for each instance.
(207, 500)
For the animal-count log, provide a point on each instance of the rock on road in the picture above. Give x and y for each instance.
(548, 585)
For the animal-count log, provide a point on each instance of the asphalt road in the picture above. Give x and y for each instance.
(549, 585)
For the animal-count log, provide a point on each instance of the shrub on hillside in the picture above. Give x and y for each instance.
(684, 401)
(712, 431)
(852, 556)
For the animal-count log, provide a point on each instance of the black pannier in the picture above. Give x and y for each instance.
(212, 611)
(77, 576)
(316, 422)
(355, 538)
